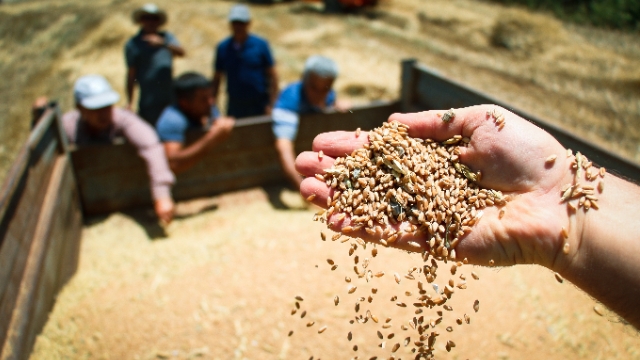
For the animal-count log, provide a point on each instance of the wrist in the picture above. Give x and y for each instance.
(571, 236)
(606, 235)
(605, 263)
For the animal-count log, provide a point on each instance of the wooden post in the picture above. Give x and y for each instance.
(407, 85)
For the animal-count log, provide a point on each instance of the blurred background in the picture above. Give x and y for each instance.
(219, 289)
(577, 63)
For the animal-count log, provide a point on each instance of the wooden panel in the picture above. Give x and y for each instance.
(43, 275)
(67, 229)
(113, 177)
(38, 252)
(60, 259)
(18, 223)
(434, 91)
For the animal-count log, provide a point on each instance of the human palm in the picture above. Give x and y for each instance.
(512, 159)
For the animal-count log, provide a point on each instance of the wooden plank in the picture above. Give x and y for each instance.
(68, 229)
(35, 296)
(435, 91)
(38, 252)
(64, 237)
(113, 177)
(17, 240)
(44, 125)
(18, 222)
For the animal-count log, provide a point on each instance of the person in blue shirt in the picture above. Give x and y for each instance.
(193, 109)
(245, 59)
(149, 56)
(312, 94)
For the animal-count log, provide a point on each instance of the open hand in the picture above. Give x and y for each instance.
(512, 159)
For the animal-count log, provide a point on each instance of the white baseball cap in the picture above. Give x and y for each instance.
(94, 92)
(239, 13)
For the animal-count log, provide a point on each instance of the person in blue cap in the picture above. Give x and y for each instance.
(313, 94)
(149, 56)
(246, 61)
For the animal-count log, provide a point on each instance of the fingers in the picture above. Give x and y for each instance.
(309, 163)
(429, 124)
(316, 188)
(339, 143)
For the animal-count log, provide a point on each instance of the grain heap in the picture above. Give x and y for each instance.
(395, 179)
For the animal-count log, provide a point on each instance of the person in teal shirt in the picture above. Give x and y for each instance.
(149, 57)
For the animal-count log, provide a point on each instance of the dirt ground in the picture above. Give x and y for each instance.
(222, 286)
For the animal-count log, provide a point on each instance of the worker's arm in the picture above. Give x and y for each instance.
(272, 76)
(287, 158)
(131, 83)
(141, 135)
(176, 50)
(606, 263)
(285, 128)
(603, 252)
(168, 41)
(182, 158)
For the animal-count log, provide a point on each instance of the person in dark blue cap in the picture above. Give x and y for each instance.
(246, 61)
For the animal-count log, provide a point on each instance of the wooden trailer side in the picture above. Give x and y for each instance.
(40, 224)
(113, 177)
(425, 89)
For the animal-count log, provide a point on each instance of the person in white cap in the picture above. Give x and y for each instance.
(149, 57)
(246, 61)
(313, 94)
(97, 121)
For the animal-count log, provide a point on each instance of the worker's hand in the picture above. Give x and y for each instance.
(223, 124)
(164, 209)
(511, 159)
(268, 109)
(38, 108)
(343, 105)
(154, 40)
(221, 129)
(40, 102)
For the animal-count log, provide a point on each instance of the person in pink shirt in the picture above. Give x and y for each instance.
(97, 121)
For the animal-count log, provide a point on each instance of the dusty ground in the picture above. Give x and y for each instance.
(218, 288)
